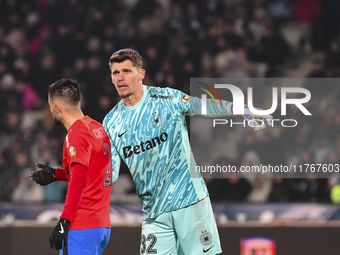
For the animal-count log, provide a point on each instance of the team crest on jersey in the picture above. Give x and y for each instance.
(72, 151)
(156, 120)
(186, 99)
(206, 238)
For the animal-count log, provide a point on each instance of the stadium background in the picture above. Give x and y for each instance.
(45, 40)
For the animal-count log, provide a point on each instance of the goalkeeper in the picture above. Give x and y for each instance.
(148, 132)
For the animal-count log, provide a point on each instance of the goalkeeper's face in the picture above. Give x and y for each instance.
(127, 78)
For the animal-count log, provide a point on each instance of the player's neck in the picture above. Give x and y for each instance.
(71, 118)
(134, 98)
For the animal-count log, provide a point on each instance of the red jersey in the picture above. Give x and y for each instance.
(88, 144)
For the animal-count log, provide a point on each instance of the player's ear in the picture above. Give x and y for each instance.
(57, 108)
(54, 105)
(142, 74)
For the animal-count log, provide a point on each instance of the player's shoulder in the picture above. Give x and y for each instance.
(83, 125)
(163, 92)
(78, 131)
(111, 115)
(87, 121)
(79, 125)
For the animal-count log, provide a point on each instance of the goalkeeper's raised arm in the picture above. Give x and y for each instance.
(209, 108)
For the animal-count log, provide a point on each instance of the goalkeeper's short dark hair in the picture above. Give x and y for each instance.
(126, 54)
(67, 89)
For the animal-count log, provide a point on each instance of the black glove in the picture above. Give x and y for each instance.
(44, 176)
(60, 233)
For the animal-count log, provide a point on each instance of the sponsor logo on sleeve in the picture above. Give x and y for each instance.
(72, 151)
(185, 99)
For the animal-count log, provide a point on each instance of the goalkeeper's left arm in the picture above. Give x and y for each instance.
(213, 109)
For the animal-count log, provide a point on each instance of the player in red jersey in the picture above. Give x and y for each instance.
(84, 226)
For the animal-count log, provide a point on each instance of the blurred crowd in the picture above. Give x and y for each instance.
(45, 40)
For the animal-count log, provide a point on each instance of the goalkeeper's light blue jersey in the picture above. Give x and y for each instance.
(152, 139)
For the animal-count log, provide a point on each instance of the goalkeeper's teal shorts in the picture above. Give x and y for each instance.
(191, 231)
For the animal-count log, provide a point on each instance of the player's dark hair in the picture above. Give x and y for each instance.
(66, 89)
(125, 54)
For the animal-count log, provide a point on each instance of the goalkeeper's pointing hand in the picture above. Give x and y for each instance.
(257, 122)
(44, 176)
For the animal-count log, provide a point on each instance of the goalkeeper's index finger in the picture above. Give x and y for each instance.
(267, 118)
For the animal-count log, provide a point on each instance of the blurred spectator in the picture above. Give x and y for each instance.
(54, 192)
(24, 72)
(310, 189)
(227, 186)
(39, 42)
(176, 19)
(323, 149)
(274, 50)
(47, 75)
(305, 13)
(270, 151)
(261, 188)
(212, 9)
(29, 97)
(258, 25)
(241, 20)
(144, 8)
(64, 46)
(5, 180)
(229, 189)
(152, 60)
(12, 124)
(93, 89)
(105, 104)
(280, 191)
(25, 190)
(318, 70)
(280, 11)
(333, 58)
(260, 185)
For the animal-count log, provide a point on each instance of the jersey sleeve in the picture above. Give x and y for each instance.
(189, 105)
(213, 109)
(116, 160)
(75, 190)
(78, 149)
(180, 101)
(61, 174)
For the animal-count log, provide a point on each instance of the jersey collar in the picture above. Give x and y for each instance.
(145, 92)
